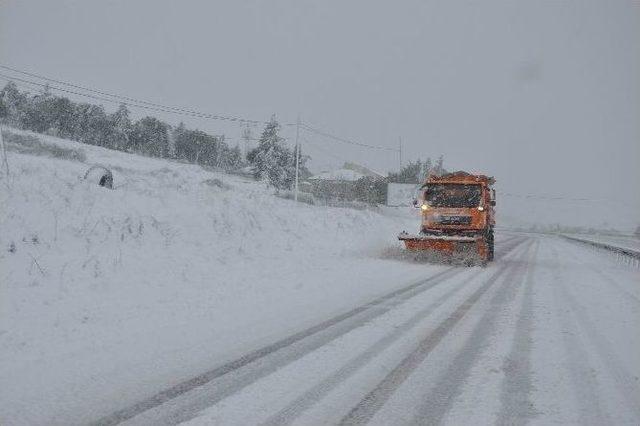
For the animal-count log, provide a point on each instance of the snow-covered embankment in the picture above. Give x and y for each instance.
(109, 296)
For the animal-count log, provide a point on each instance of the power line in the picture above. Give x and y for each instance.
(100, 98)
(160, 108)
(343, 140)
(11, 78)
(326, 152)
(157, 107)
(560, 198)
(543, 197)
(164, 108)
(322, 150)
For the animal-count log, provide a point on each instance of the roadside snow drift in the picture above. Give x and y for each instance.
(108, 296)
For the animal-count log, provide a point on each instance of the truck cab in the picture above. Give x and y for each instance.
(457, 210)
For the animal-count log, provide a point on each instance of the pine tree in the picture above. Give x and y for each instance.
(272, 160)
(232, 158)
(410, 173)
(63, 117)
(150, 137)
(40, 114)
(180, 142)
(121, 128)
(13, 105)
(35, 114)
(92, 125)
(428, 168)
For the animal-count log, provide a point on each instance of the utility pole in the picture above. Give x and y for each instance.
(295, 197)
(400, 150)
(4, 153)
(246, 135)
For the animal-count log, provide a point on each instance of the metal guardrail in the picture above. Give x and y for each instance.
(628, 256)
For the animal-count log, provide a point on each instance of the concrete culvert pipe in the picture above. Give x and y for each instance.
(100, 175)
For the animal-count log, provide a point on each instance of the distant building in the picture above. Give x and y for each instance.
(340, 184)
(348, 172)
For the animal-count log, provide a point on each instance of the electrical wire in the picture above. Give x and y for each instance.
(343, 140)
(105, 96)
(132, 102)
(139, 102)
(322, 150)
(100, 98)
(561, 198)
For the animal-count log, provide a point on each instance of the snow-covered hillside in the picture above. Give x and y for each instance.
(110, 295)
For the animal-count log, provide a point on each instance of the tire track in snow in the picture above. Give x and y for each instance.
(449, 385)
(515, 397)
(374, 400)
(240, 378)
(362, 314)
(624, 381)
(313, 395)
(506, 239)
(580, 372)
(237, 374)
(335, 326)
(505, 247)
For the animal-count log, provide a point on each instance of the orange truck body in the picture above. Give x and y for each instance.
(457, 211)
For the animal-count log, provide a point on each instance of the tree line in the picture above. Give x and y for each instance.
(91, 124)
(275, 162)
(418, 171)
(272, 160)
(58, 116)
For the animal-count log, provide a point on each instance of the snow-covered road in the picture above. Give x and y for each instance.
(187, 295)
(546, 334)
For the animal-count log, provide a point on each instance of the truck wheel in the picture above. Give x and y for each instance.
(490, 245)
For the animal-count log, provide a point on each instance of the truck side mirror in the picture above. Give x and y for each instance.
(415, 202)
(492, 202)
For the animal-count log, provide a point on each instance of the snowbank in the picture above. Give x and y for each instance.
(628, 242)
(108, 296)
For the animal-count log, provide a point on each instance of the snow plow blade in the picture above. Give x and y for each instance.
(444, 244)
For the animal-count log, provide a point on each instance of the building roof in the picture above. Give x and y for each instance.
(349, 172)
(340, 174)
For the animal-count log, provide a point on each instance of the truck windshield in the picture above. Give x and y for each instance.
(453, 195)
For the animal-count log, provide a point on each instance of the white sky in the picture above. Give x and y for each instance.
(544, 95)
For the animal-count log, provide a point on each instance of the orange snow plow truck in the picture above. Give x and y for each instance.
(457, 216)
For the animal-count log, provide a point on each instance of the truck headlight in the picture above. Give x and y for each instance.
(481, 208)
(424, 207)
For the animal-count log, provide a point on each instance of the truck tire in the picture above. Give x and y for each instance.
(490, 245)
